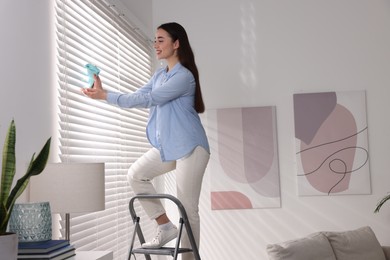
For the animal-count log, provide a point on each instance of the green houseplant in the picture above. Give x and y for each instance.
(8, 196)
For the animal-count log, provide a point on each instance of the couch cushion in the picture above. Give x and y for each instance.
(359, 244)
(315, 246)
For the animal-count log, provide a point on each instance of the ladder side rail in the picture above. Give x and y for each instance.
(135, 218)
(193, 243)
(136, 223)
(177, 246)
(137, 228)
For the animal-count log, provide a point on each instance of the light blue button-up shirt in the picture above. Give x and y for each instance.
(174, 127)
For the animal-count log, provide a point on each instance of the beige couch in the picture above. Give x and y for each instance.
(359, 244)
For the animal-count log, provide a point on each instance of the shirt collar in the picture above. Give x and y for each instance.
(175, 68)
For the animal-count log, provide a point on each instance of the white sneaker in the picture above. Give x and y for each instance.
(162, 237)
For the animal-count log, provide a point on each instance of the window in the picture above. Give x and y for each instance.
(93, 131)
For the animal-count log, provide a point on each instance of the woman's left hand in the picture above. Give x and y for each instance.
(97, 91)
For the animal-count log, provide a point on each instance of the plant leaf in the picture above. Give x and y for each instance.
(36, 166)
(8, 164)
(7, 174)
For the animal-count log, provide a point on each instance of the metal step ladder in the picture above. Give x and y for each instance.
(172, 251)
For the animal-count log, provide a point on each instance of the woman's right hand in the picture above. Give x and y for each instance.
(97, 91)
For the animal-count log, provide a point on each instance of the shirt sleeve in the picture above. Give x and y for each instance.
(179, 84)
(139, 99)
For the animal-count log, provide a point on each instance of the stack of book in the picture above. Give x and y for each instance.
(45, 250)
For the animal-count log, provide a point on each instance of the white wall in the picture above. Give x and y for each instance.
(296, 46)
(261, 52)
(27, 73)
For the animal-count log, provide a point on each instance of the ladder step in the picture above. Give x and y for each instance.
(160, 251)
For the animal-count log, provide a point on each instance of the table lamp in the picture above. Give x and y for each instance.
(70, 188)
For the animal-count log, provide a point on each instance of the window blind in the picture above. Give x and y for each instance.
(93, 131)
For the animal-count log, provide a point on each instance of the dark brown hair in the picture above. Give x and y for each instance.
(186, 58)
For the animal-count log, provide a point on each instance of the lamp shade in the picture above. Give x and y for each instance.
(70, 187)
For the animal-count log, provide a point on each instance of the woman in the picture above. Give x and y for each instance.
(174, 129)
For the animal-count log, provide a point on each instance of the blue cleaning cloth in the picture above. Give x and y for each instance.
(91, 70)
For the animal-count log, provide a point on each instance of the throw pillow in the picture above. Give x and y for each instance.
(359, 244)
(315, 246)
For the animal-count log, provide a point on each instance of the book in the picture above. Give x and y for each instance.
(57, 254)
(41, 247)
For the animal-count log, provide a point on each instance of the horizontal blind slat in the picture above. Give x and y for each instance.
(94, 131)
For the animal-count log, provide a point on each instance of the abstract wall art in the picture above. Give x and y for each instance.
(331, 143)
(243, 166)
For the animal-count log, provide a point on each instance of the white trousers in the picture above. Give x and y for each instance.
(189, 175)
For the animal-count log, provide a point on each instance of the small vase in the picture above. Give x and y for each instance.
(31, 221)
